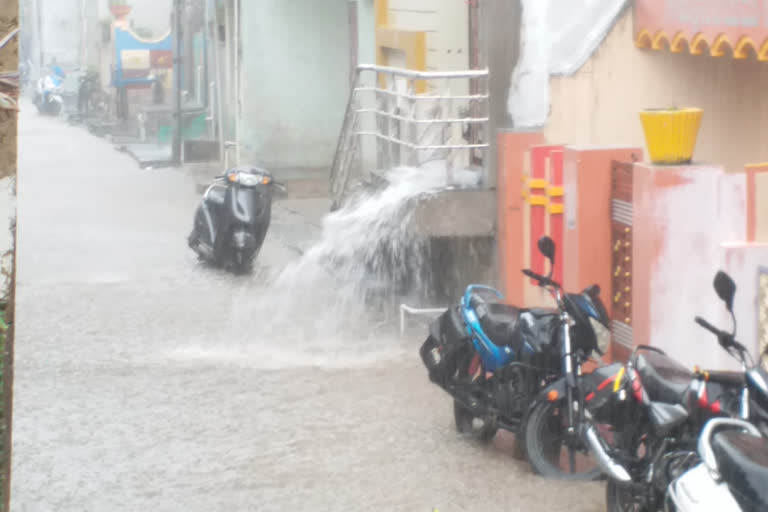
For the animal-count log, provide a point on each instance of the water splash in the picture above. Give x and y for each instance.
(366, 255)
(334, 304)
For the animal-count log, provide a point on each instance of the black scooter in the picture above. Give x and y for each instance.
(232, 219)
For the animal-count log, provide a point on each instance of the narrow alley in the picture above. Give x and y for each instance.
(142, 381)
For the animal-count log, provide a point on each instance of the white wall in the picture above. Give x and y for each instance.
(295, 80)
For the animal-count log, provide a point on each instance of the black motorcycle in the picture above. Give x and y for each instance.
(232, 219)
(494, 359)
(653, 410)
(91, 101)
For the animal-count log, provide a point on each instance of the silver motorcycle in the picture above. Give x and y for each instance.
(732, 475)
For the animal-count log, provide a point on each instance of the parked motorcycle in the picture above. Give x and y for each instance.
(233, 217)
(91, 101)
(49, 98)
(652, 410)
(493, 358)
(732, 475)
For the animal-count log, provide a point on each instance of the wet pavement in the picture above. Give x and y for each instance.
(144, 380)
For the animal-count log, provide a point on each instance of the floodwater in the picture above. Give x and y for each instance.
(148, 381)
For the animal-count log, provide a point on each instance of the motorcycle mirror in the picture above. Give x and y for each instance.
(725, 289)
(547, 248)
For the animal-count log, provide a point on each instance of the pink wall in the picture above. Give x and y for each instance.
(682, 215)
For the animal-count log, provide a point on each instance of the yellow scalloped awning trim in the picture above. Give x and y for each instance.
(718, 45)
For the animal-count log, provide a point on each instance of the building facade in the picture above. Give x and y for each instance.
(653, 236)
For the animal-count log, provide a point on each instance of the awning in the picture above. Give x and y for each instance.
(737, 28)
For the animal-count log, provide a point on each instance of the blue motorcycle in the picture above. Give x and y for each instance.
(494, 359)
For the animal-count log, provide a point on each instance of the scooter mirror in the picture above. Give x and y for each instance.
(725, 289)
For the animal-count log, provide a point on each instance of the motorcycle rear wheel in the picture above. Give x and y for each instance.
(544, 442)
(622, 499)
(479, 428)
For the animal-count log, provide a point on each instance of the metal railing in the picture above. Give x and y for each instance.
(411, 118)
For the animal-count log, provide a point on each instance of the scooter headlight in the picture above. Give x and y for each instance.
(247, 179)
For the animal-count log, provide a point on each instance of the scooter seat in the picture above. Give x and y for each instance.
(216, 195)
(499, 322)
(663, 378)
(742, 461)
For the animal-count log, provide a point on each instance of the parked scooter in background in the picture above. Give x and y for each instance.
(733, 474)
(232, 220)
(49, 98)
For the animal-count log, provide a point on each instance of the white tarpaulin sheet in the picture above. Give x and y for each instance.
(556, 38)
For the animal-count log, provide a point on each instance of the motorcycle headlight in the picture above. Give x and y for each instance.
(602, 335)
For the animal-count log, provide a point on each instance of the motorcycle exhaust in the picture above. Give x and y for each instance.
(608, 465)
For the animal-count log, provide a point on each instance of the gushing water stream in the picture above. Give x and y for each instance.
(332, 305)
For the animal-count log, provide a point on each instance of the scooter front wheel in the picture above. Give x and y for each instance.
(241, 263)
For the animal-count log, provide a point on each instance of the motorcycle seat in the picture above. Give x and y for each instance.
(216, 195)
(742, 461)
(663, 378)
(499, 322)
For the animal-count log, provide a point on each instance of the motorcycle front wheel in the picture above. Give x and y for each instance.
(550, 452)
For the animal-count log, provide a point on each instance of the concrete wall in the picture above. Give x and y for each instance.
(599, 104)
(500, 45)
(295, 81)
(366, 36)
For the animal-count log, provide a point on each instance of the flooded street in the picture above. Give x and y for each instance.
(146, 380)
